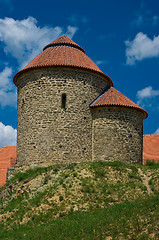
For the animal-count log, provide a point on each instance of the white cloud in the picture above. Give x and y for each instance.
(4, 77)
(8, 98)
(7, 89)
(148, 97)
(157, 131)
(23, 39)
(70, 31)
(141, 47)
(8, 135)
(147, 92)
(101, 62)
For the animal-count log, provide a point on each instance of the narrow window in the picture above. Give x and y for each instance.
(22, 103)
(63, 101)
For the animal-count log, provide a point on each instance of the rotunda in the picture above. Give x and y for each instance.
(69, 112)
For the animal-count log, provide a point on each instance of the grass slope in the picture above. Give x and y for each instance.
(97, 200)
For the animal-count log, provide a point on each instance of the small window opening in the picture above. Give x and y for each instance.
(63, 101)
(22, 103)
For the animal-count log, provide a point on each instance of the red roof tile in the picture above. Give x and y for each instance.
(63, 52)
(112, 97)
(8, 158)
(150, 148)
(64, 40)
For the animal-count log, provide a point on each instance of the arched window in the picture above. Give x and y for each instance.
(63, 100)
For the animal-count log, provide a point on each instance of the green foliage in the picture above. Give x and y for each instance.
(66, 175)
(61, 198)
(71, 166)
(152, 164)
(74, 174)
(46, 179)
(33, 172)
(133, 175)
(144, 188)
(61, 181)
(150, 181)
(104, 190)
(127, 220)
(99, 167)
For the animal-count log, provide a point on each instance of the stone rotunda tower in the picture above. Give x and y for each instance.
(69, 112)
(54, 92)
(117, 129)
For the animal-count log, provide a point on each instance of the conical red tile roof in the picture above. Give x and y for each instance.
(112, 97)
(63, 52)
(64, 40)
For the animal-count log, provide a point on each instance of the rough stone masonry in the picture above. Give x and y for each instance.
(69, 112)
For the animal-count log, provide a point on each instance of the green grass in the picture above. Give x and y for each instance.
(152, 164)
(131, 220)
(84, 201)
(33, 172)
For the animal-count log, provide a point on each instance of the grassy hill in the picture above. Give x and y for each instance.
(95, 200)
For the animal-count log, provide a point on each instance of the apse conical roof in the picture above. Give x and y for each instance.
(112, 97)
(63, 52)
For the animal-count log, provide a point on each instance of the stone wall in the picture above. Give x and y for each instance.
(47, 132)
(117, 134)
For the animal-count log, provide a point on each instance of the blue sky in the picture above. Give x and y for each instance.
(122, 37)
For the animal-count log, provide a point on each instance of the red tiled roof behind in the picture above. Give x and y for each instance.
(63, 52)
(150, 148)
(8, 158)
(112, 97)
